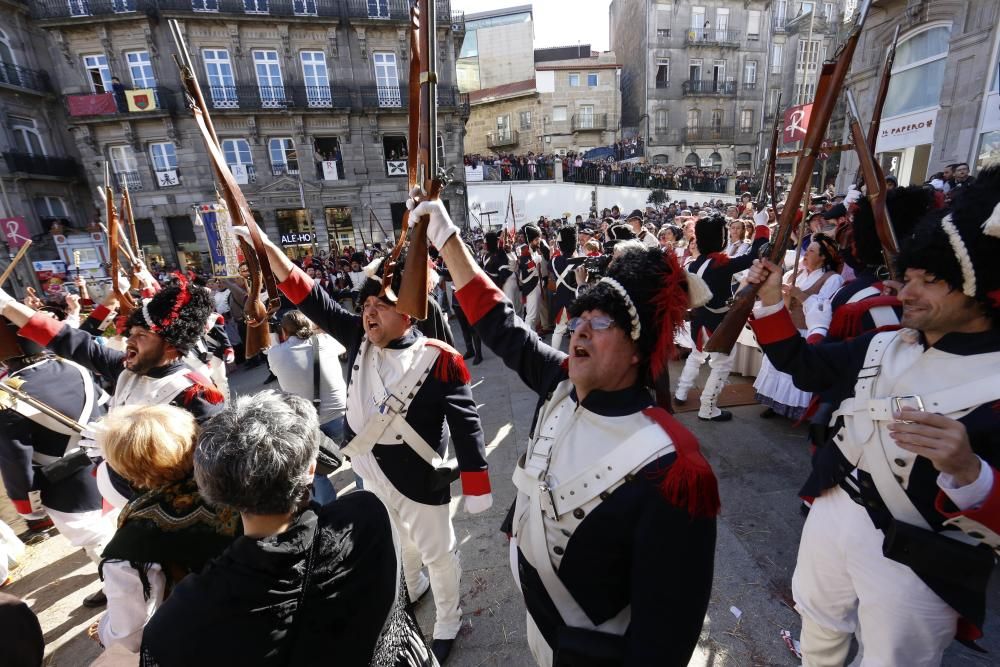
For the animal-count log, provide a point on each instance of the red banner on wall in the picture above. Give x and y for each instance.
(91, 105)
(796, 123)
(15, 230)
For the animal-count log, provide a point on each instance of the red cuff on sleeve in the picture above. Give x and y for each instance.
(815, 338)
(100, 313)
(296, 286)
(761, 232)
(478, 297)
(774, 328)
(475, 483)
(41, 329)
(988, 514)
(22, 506)
(148, 292)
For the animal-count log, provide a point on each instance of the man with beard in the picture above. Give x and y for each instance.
(405, 395)
(900, 544)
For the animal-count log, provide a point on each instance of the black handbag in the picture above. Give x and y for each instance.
(576, 647)
(927, 553)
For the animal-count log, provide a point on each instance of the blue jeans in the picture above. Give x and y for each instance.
(323, 491)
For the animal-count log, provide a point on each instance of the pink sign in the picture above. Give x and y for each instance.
(16, 231)
(796, 123)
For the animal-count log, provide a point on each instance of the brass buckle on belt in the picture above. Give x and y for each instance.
(543, 487)
(387, 405)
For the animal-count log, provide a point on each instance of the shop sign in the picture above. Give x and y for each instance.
(915, 129)
(51, 275)
(298, 238)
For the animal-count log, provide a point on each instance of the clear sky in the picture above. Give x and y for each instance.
(557, 22)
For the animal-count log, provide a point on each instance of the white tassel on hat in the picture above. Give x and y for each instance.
(698, 290)
(992, 225)
(371, 269)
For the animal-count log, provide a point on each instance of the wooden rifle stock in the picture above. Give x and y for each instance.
(830, 84)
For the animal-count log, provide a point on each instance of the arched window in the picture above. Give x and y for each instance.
(714, 160)
(694, 118)
(26, 137)
(660, 159)
(743, 160)
(918, 71)
(661, 121)
(6, 53)
(692, 160)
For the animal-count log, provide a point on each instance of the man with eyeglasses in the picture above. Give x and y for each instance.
(613, 529)
(405, 395)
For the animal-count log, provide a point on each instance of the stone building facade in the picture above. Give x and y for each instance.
(571, 104)
(496, 48)
(693, 78)
(309, 99)
(943, 105)
(42, 184)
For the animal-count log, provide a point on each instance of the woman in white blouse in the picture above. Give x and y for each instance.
(817, 278)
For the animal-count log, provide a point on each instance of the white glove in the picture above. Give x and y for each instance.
(477, 504)
(5, 299)
(761, 218)
(124, 285)
(853, 195)
(440, 228)
(818, 314)
(243, 232)
(92, 438)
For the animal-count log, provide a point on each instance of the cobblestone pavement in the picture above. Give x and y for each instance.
(760, 465)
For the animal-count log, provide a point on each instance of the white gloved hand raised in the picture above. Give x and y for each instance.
(477, 504)
(440, 228)
(853, 195)
(760, 218)
(818, 314)
(124, 285)
(243, 232)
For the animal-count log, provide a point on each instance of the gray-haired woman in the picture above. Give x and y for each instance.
(305, 582)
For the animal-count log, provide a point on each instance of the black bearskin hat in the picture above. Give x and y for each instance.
(906, 207)
(710, 233)
(531, 232)
(567, 240)
(492, 241)
(961, 246)
(359, 257)
(178, 313)
(620, 233)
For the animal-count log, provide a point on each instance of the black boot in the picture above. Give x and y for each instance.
(441, 648)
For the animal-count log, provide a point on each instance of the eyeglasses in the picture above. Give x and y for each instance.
(597, 323)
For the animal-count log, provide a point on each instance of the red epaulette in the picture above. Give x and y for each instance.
(202, 386)
(220, 320)
(450, 366)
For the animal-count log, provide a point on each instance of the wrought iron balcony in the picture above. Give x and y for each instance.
(22, 77)
(501, 139)
(709, 134)
(322, 8)
(399, 10)
(128, 179)
(281, 168)
(713, 37)
(590, 122)
(42, 165)
(708, 87)
(57, 9)
(384, 97)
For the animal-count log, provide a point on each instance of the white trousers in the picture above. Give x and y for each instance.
(426, 537)
(720, 364)
(844, 585)
(562, 326)
(513, 294)
(533, 308)
(90, 531)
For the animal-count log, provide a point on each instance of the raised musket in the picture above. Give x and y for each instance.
(126, 304)
(421, 162)
(770, 160)
(257, 314)
(874, 179)
(831, 83)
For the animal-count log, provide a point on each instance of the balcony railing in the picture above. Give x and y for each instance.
(282, 168)
(709, 87)
(106, 104)
(399, 10)
(709, 134)
(53, 9)
(128, 179)
(42, 165)
(384, 97)
(22, 77)
(325, 8)
(294, 95)
(501, 139)
(587, 122)
(713, 37)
